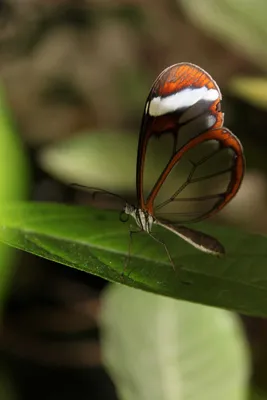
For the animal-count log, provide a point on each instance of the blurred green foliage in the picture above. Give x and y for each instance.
(88, 159)
(13, 182)
(257, 395)
(179, 350)
(13, 186)
(251, 89)
(241, 25)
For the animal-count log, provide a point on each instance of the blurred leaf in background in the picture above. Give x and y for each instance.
(240, 24)
(106, 160)
(6, 387)
(13, 186)
(257, 395)
(158, 348)
(102, 159)
(251, 89)
(13, 182)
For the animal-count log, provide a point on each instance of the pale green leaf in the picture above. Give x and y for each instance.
(161, 349)
(241, 24)
(251, 89)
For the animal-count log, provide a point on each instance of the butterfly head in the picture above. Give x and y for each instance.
(143, 219)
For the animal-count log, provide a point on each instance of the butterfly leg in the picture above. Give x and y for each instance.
(127, 259)
(166, 249)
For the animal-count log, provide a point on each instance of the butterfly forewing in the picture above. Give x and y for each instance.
(199, 165)
(158, 154)
(183, 103)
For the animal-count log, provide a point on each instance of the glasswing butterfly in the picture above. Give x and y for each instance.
(184, 104)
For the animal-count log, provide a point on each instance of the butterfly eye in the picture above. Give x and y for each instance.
(123, 216)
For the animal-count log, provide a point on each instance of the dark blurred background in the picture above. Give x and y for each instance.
(78, 66)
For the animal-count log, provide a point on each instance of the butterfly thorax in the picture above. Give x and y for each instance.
(143, 219)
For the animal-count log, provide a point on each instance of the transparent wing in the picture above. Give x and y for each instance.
(200, 179)
(183, 103)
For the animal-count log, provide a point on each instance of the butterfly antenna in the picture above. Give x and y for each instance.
(97, 191)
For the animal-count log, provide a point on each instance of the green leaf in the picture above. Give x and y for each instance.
(257, 394)
(172, 350)
(88, 159)
(7, 387)
(13, 182)
(239, 24)
(97, 242)
(251, 89)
